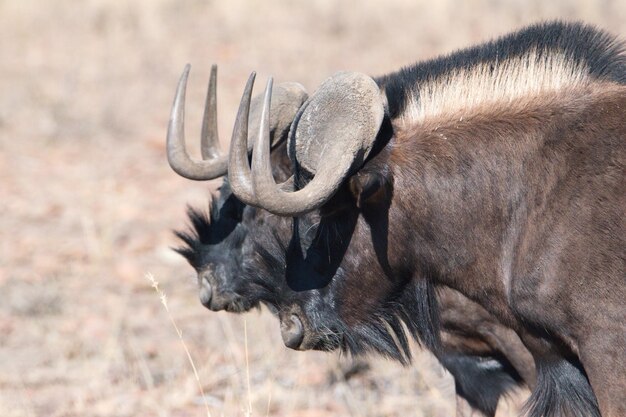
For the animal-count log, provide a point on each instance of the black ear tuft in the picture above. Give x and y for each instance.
(195, 236)
(200, 223)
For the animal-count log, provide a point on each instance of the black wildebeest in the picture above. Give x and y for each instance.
(497, 171)
(485, 362)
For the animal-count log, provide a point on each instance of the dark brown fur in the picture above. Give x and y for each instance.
(520, 208)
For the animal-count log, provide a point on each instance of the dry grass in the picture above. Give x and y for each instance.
(162, 296)
(87, 201)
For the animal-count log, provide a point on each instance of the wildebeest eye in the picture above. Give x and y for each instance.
(370, 187)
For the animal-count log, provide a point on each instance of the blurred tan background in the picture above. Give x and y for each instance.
(87, 201)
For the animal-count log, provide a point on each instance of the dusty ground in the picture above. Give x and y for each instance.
(87, 201)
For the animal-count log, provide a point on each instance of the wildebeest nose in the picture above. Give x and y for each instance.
(205, 292)
(292, 332)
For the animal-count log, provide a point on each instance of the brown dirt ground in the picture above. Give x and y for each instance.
(87, 201)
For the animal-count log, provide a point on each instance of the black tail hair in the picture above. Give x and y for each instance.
(562, 390)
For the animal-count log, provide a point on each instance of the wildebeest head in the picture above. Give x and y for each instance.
(323, 305)
(217, 244)
(214, 246)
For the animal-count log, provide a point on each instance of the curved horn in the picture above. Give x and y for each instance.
(216, 165)
(240, 176)
(334, 134)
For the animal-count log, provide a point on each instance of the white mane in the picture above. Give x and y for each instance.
(493, 83)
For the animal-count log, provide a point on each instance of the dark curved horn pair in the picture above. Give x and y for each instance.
(334, 132)
(214, 164)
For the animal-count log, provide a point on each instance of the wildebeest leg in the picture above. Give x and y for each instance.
(604, 358)
(479, 382)
(506, 341)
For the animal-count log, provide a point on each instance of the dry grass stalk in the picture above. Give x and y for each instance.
(245, 339)
(163, 299)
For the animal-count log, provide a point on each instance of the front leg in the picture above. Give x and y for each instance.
(479, 382)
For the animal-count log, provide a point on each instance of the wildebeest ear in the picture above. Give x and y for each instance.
(370, 187)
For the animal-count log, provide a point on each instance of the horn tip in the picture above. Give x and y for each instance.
(185, 74)
(251, 79)
(269, 87)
